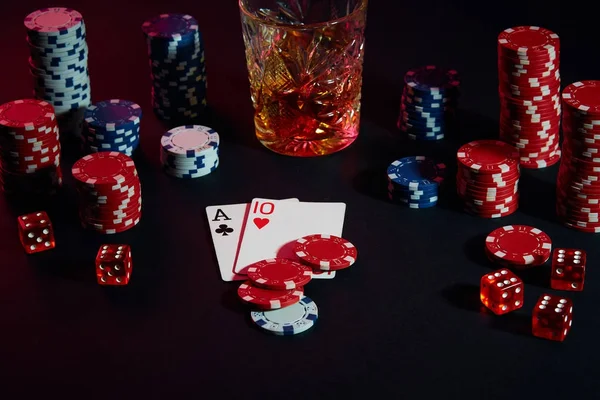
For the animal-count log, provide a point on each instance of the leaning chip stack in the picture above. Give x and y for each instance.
(29, 148)
(518, 246)
(178, 73)
(109, 190)
(528, 68)
(112, 125)
(578, 184)
(275, 291)
(415, 181)
(487, 178)
(190, 151)
(429, 101)
(59, 64)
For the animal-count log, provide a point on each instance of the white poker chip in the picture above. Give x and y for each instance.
(190, 140)
(291, 320)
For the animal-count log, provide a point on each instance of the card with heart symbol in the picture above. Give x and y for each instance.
(226, 223)
(271, 228)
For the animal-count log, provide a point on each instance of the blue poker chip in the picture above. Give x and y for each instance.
(115, 140)
(171, 27)
(99, 140)
(190, 174)
(416, 172)
(113, 114)
(291, 320)
(432, 79)
(403, 192)
(437, 137)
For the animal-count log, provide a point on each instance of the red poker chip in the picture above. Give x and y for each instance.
(109, 230)
(523, 68)
(488, 156)
(472, 199)
(528, 40)
(103, 169)
(527, 64)
(494, 214)
(490, 211)
(533, 57)
(490, 193)
(542, 106)
(326, 252)
(492, 203)
(491, 179)
(26, 114)
(583, 96)
(531, 82)
(267, 299)
(279, 274)
(519, 244)
(470, 187)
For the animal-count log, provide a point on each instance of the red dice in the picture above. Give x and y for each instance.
(552, 317)
(113, 264)
(36, 233)
(501, 291)
(568, 269)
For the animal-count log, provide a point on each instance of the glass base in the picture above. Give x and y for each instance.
(299, 145)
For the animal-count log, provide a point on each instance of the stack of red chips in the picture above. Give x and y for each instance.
(110, 198)
(578, 186)
(487, 179)
(528, 69)
(29, 148)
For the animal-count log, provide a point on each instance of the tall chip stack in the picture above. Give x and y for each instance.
(59, 65)
(529, 87)
(578, 184)
(29, 148)
(176, 58)
(429, 102)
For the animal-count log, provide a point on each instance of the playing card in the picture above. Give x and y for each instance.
(226, 223)
(273, 226)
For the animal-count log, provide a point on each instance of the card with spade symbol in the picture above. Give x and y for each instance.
(271, 228)
(226, 223)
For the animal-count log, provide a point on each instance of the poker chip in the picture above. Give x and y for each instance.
(177, 68)
(291, 320)
(58, 64)
(109, 192)
(578, 183)
(415, 181)
(528, 69)
(519, 245)
(29, 148)
(190, 151)
(266, 299)
(112, 125)
(428, 104)
(325, 252)
(279, 274)
(487, 178)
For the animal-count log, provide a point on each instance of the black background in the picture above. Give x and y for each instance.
(405, 322)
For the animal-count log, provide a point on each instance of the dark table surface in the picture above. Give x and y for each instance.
(405, 322)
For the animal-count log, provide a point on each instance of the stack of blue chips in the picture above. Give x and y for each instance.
(190, 151)
(415, 181)
(429, 101)
(112, 125)
(178, 72)
(59, 64)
